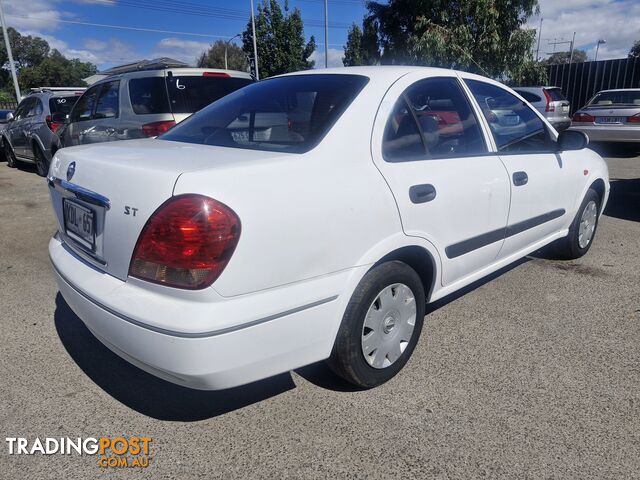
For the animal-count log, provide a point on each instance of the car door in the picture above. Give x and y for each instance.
(16, 131)
(542, 187)
(432, 149)
(31, 124)
(104, 123)
(81, 117)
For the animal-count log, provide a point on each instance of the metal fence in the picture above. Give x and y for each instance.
(580, 81)
(8, 105)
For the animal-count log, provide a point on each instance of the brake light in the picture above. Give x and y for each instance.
(549, 107)
(634, 119)
(583, 117)
(186, 243)
(53, 126)
(215, 74)
(156, 128)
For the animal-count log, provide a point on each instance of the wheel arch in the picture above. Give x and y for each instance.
(599, 186)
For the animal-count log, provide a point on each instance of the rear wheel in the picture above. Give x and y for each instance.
(582, 229)
(9, 155)
(381, 325)
(42, 165)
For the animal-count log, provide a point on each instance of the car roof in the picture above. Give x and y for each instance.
(161, 72)
(620, 90)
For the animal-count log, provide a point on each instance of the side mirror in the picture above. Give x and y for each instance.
(9, 117)
(572, 140)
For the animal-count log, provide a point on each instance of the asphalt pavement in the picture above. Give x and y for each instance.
(531, 374)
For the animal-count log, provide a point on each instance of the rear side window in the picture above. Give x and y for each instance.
(285, 114)
(529, 97)
(188, 94)
(556, 94)
(62, 104)
(148, 95)
(515, 126)
(109, 100)
(433, 118)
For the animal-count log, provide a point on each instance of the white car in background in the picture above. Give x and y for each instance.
(238, 245)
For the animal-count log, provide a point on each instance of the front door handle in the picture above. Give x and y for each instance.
(422, 193)
(520, 178)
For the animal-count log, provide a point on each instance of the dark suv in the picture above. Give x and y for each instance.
(145, 103)
(30, 132)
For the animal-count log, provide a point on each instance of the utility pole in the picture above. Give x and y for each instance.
(326, 33)
(255, 45)
(573, 42)
(8, 45)
(226, 65)
(539, 35)
(600, 42)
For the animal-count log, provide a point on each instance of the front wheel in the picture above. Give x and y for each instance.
(9, 155)
(582, 229)
(380, 327)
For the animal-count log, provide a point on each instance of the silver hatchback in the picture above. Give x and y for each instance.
(551, 102)
(610, 116)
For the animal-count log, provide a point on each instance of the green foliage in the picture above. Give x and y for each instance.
(564, 57)
(635, 49)
(214, 57)
(483, 36)
(38, 65)
(280, 38)
(530, 74)
(353, 48)
(361, 47)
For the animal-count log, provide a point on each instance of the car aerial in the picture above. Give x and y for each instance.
(145, 103)
(311, 216)
(610, 116)
(30, 133)
(550, 102)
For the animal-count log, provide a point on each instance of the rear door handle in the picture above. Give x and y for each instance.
(520, 178)
(422, 193)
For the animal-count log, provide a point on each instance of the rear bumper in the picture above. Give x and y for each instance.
(602, 133)
(210, 360)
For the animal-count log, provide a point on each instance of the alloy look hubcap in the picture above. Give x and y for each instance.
(587, 224)
(388, 325)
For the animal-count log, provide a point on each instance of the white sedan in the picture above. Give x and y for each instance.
(312, 216)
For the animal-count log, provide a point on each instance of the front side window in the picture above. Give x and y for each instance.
(83, 109)
(285, 114)
(24, 108)
(515, 126)
(108, 100)
(433, 118)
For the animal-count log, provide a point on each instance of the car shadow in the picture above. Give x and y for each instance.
(624, 199)
(615, 150)
(145, 393)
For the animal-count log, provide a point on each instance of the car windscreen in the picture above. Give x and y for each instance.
(284, 114)
(190, 93)
(62, 104)
(556, 94)
(624, 98)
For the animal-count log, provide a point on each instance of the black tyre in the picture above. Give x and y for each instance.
(380, 327)
(582, 229)
(42, 164)
(9, 155)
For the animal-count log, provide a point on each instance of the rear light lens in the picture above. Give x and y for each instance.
(53, 126)
(634, 119)
(215, 74)
(186, 243)
(156, 128)
(549, 107)
(583, 117)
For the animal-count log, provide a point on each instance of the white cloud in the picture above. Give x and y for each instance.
(40, 14)
(180, 49)
(616, 21)
(335, 57)
(95, 44)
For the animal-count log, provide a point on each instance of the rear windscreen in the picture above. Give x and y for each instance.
(62, 104)
(556, 94)
(148, 95)
(189, 94)
(621, 98)
(285, 114)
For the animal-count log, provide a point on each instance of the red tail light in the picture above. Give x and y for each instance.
(215, 74)
(186, 243)
(156, 128)
(634, 119)
(549, 107)
(583, 117)
(53, 126)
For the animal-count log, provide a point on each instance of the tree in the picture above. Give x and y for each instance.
(564, 57)
(530, 74)
(361, 47)
(280, 40)
(214, 57)
(56, 71)
(484, 36)
(635, 49)
(353, 48)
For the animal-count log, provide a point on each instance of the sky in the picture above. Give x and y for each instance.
(188, 27)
